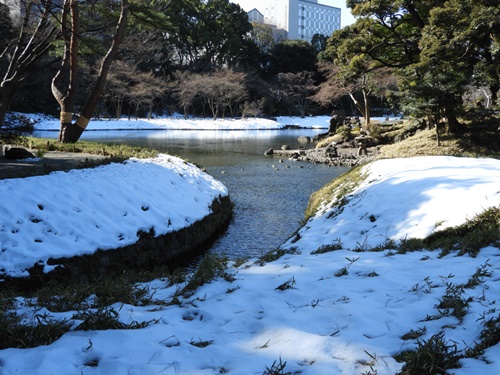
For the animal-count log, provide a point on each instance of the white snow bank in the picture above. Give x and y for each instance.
(408, 198)
(169, 124)
(64, 214)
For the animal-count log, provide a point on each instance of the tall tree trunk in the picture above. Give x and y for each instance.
(70, 132)
(494, 93)
(359, 106)
(454, 126)
(367, 108)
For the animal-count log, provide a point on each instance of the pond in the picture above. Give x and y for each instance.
(270, 197)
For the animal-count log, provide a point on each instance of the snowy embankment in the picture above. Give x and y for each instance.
(66, 214)
(180, 123)
(341, 312)
(407, 198)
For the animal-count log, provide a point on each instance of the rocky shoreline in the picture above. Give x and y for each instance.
(338, 155)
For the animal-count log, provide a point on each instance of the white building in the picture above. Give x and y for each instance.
(300, 18)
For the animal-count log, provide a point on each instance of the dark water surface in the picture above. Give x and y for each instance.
(269, 197)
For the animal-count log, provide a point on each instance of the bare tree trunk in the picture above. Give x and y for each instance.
(438, 138)
(359, 106)
(367, 108)
(70, 132)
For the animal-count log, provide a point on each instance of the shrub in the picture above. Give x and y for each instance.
(345, 132)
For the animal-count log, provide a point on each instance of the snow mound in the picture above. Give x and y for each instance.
(66, 214)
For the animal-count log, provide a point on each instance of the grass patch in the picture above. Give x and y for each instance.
(469, 238)
(335, 191)
(108, 153)
(277, 368)
(200, 343)
(410, 245)
(414, 334)
(61, 296)
(289, 284)
(479, 139)
(453, 303)
(275, 254)
(490, 336)
(104, 318)
(481, 231)
(29, 331)
(211, 267)
(477, 278)
(336, 245)
(433, 356)
(118, 151)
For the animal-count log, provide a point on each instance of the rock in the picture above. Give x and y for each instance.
(17, 153)
(304, 139)
(338, 112)
(285, 147)
(330, 151)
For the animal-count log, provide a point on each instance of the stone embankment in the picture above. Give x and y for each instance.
(149, 251)
(350, 153)
(335, 155)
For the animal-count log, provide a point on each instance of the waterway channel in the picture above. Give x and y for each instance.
(269, 196)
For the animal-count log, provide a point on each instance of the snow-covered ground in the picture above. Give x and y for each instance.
(180, 123)
(299, 309)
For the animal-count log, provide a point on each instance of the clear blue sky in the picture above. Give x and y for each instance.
(345, 18)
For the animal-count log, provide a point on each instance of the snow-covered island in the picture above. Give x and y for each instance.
(347, 311)
(75, 213)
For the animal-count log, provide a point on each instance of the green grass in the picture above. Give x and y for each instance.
(335, 191)
(29, 330)
(336, 245)
(480, 231)
(104, 318)
(433, 356)
(275, 254)
(211, 267)
(118, 151)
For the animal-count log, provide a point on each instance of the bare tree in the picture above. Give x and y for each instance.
(221, 91)
(35, 33)
(144, 91)
(185, 90)
(117, 86)
(64, 84)
(297, 89)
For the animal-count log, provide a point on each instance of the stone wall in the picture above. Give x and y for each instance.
(150, 250)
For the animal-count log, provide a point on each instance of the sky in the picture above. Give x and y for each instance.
(346, 17)
(342, 312)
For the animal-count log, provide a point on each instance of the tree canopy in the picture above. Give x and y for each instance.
(437, 47)
(429, 58)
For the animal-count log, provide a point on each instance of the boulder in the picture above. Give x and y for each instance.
(18, 153)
